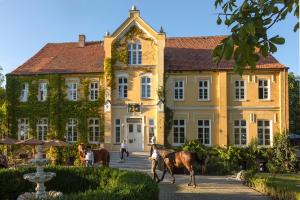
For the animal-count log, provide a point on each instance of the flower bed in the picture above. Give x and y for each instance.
(83, 183)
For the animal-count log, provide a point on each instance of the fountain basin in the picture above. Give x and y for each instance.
(32, 195)
(35, 177)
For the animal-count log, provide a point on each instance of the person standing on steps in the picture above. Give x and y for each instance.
(152, 142)
(123, 150)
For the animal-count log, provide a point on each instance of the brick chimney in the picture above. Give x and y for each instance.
(81, 42)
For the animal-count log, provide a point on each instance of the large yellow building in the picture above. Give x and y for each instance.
(149, 84)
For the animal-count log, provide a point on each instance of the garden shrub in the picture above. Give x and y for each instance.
(283, 158)
(273, 186)
(83, 183)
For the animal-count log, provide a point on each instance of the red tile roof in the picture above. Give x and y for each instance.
(181, 53)
(65, 58)
(195, 53)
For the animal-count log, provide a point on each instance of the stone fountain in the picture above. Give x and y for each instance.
(39, 177)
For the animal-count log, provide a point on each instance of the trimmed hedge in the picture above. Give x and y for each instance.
(83, 183)
(277, 187)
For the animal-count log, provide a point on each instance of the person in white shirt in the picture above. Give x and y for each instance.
(152, 142)
(89, 158)
(154, 158)
(123, 150)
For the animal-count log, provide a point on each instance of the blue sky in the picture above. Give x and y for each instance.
(27, 25)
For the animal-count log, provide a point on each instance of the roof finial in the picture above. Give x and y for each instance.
(133, 7)
(107, 33)
(161, 29)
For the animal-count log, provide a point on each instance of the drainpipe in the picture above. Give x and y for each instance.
(285, 101)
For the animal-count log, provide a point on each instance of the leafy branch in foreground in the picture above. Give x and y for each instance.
(249, 24)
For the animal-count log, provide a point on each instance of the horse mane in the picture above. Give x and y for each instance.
(163, 152)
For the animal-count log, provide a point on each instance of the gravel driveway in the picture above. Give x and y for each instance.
(208, 188)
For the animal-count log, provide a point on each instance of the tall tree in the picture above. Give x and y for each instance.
(294, 103)
(2, 106)
(250, 22)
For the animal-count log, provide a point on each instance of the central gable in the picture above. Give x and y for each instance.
(134, 33)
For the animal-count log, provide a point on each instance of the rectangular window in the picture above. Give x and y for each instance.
(178, 90)
(134, 54)
(94, 90)
(72, 132)
(203, 90)
(204, 132)
(239, 89)
(264, 132)
(42, 93)
(117, 131)
(42, 129)
(23, 129)
(94, 130)
(24, 92)
(263, 89)
(240, 132)
(72, 91)
(122, 87)
(146, 87)
(151, 129)
(179, 132)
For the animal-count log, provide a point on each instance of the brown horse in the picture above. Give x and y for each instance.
(180, 159)
(100, 155)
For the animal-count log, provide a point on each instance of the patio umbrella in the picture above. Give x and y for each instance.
(55, 143)
(31, 142)
(8, 141)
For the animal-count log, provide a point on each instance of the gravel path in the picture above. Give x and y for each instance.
(208, 188)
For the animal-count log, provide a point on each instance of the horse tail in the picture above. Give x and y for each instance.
(196, 158)
(108, 158)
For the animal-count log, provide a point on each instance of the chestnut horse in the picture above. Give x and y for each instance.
(179, 159)
(100, 155)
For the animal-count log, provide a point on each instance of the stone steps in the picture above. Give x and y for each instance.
(137, 161)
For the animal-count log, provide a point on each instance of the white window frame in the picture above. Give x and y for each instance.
(117, 125)
(72, 92)
(151, 127)
(147, 86)
(204, 88)
(24, 92)
(264, 88)
(23, 125)
(178, 143)
(179, 89)
(42, 129)
(238, 89)
(122, 87)
(94, 90)
(93, 133)
(74, 130)
(135, 56)
(240, 127)
(42, 91)
(204, 127)
(263, 132)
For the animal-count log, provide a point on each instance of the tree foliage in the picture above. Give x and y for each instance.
(249, 23)
(3, 127)
(294, 103)
(284, 157)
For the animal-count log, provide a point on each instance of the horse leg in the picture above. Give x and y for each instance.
(192, 175)
(164, 172)
(171, 170)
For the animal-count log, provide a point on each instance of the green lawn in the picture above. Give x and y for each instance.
(279, 186)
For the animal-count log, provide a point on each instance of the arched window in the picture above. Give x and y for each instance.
(134, 53)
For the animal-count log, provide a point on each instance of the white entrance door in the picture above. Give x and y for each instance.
(135, 137)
